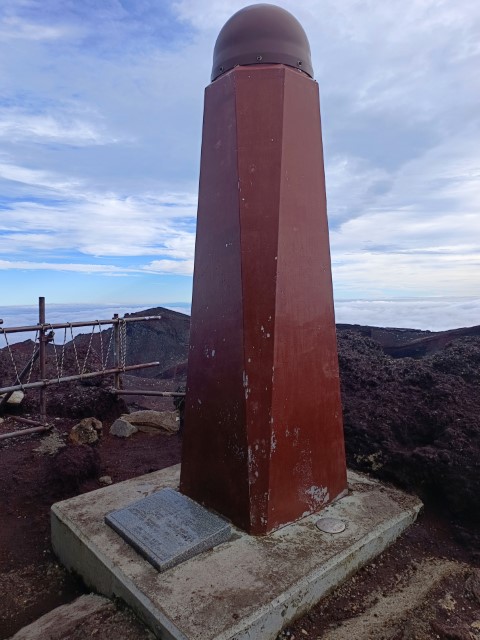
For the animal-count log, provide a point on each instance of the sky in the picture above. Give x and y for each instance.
(101, 107)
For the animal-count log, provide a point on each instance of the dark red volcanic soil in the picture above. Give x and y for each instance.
(411, 421)
(417, 423)
(31, 581)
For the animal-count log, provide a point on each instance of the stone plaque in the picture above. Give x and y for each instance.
(168, 528)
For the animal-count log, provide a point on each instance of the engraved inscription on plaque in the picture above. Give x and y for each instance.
(168, 528)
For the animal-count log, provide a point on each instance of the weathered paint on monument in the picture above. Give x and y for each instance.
(263, 441)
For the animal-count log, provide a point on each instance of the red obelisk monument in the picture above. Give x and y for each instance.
(263, 442)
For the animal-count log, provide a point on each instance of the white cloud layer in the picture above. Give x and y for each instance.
(435, 314)
(64, 128)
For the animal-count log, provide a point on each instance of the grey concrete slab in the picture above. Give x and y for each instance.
(168, 528)
(246, 588)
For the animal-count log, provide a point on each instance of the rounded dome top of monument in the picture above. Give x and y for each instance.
(261, 34)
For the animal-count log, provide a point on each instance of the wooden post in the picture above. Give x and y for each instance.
(116, 346)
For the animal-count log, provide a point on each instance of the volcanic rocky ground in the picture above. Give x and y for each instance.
(411, 403)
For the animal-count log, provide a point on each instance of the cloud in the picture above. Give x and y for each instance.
(434, 314)
(63, 128)
(394, 274)
(100, 122)
(35, 180)
(421, 234)
(67, 217)
(99, 226)
(14, 28)
(102, 269)
(179, 267)
(352, 183)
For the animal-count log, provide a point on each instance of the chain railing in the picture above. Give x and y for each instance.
(44, 334)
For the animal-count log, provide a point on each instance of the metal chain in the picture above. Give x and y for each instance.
(33, 355)
(12, 358)
(59, 363)
(103, 357)
(59, 375)
(62, 358)
(108, 348)
(99, 357)
(123, 342)
(88, 350)
(75, 349)
(101, 344)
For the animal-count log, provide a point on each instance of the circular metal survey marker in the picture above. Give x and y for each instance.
(330, 525)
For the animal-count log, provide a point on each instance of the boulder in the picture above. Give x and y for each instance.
(122, 428)
(63, 621)
(73, 465)
(473, 585)
(50, 444)
(86, 431)
(16, 398)
(149, 420)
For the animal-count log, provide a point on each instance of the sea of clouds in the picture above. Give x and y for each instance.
(27, 315)
(434, 314)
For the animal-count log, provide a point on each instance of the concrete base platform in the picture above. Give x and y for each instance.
(246, 588)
